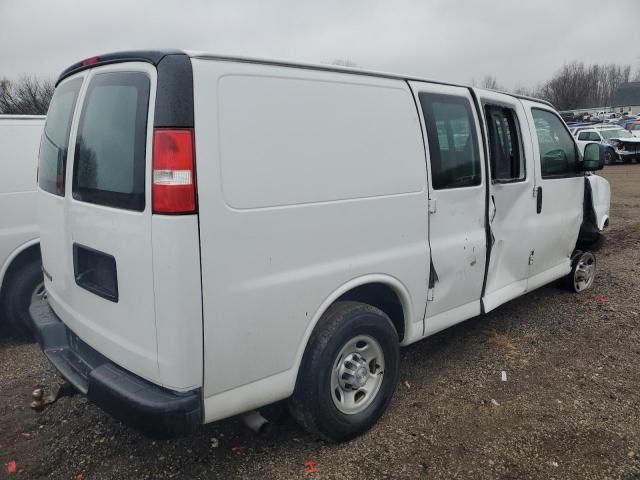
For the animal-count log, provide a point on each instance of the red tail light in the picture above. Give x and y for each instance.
(174, 182)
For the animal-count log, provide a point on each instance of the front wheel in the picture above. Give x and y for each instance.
(349, 372)
(609, 157)
(583, 272)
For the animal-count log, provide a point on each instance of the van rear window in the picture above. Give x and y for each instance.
(55, 139)
(109, 166)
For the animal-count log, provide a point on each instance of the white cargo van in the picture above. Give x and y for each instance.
(20, 266)
(222, 233)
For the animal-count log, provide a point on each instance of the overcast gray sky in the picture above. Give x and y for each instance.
(519, 42)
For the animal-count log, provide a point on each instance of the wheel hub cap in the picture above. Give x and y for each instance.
(353, 373)
(357, 375)
(585, 272)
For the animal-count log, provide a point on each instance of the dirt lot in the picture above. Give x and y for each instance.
(569, 409)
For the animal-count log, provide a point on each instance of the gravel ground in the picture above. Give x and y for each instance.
(569, 407)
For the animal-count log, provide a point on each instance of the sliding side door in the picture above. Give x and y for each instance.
(457, 203)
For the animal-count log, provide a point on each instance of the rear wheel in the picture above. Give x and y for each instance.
(583, 272)
(23, 286)
(348, 373)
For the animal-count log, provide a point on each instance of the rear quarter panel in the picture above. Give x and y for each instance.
(307, 180)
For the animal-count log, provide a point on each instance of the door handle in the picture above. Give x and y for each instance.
(539, 200)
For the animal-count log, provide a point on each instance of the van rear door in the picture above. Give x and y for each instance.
(96, 217)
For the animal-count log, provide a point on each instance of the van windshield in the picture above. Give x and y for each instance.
(55, 139)
(109, 165)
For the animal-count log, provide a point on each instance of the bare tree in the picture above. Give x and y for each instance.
(574, 85)
(578, 85)
(26, 96)
(490, 82)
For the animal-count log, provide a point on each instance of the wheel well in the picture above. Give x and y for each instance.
(28, 255)
(383, 297)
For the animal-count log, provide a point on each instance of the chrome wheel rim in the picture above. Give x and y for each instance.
(38, 293)
(358, 372)
(585, 272)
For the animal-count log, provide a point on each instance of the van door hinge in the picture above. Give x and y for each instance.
(531, 257)
(430, 295)
(432, 206)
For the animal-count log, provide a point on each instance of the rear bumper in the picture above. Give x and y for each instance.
(154, 410)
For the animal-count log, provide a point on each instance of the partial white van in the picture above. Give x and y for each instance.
(222, 233)
(20, 265)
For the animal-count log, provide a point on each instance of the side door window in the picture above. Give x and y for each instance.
(558, 154)
(507, 160)
(453, 141)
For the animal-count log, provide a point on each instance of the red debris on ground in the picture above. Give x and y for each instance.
(237, 450)
(602, 299)
(310, 466)
(11, 467)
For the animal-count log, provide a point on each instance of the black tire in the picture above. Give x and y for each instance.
(580, 258)
(312, 404)
(609, 157)
(19, 289)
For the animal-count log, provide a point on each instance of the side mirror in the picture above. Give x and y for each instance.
(593, 157)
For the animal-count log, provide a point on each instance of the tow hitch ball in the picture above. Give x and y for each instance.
(39, 401)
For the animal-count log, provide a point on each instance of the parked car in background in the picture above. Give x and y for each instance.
(588, 126)
(634, 128)
(226, 232)
(622, 147)
(20, 264)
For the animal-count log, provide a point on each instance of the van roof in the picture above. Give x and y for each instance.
(155, 56)
(21, 117)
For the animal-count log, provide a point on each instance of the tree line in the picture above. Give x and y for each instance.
(574, 85)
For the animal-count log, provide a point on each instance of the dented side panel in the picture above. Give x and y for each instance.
(600, 199)
(457, 214)
(512, 218)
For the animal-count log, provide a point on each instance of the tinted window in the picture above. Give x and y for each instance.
(453, 144)
(507, 160)
(109, 166)
(557, 150)
(55, 139)
(584, 136)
